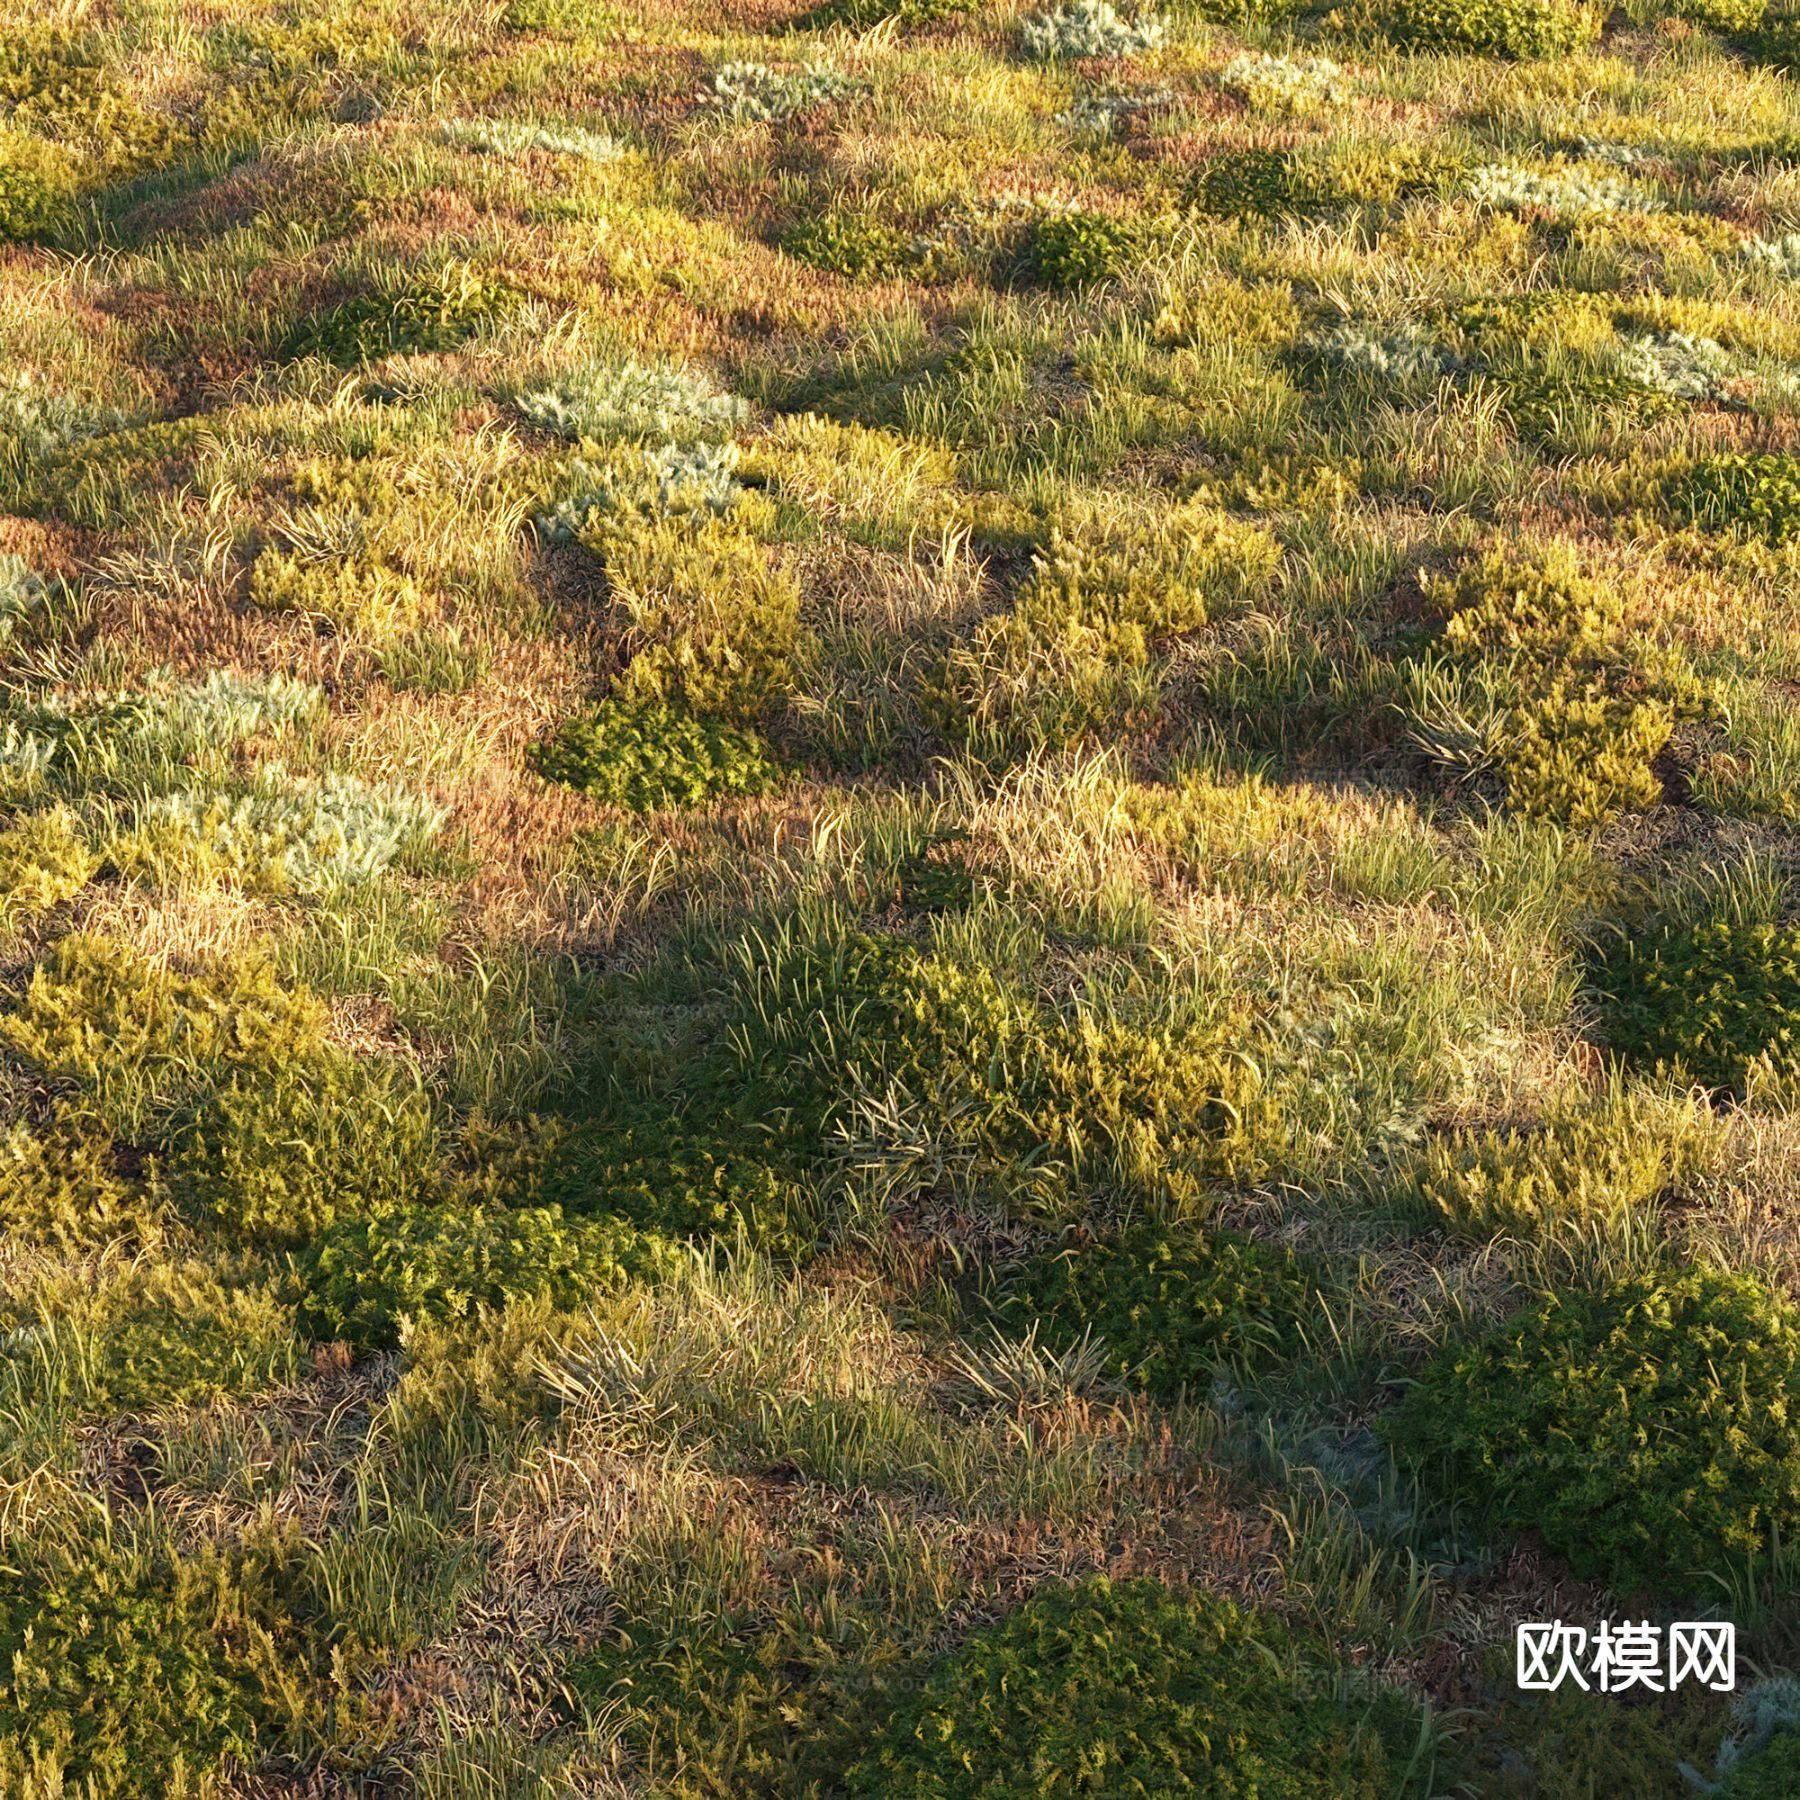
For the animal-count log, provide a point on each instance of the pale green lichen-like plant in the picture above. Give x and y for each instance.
(1568, 193)
(1089, 28)
(749, 90)
(1284, 84)
(287, 834)
(522, 137)
(635, 401)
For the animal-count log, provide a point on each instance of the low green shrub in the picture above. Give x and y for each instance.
(647, 758)
(1170, 1303)
(711, 624)
(150, 1335)
(718, 1166)
(1077, 654)
(363, 1276)
(431, 312)
(1078, 249)
(1757, 494)
(1729, 16)
(1705, 1001)
(1127, 1688)
(1774, 41)
(1041, 1102)
(1545, 403)
(32, 204)
(854, 245)
(274, 1155)
(1515, 28)
(1650, 1431)
(1256, 184)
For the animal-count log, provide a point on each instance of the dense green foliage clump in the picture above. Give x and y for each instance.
(1170, 1304)
(364, 1276)
(645, 758)
(1516, 28)
(1707, 1000)
(1123, 1687)
(277, 1154)
(1077, 249)
(1575, 724)
(854, 245)
(1757, 494)
(1579, 1168)
(430, 313)
(1650, 1431)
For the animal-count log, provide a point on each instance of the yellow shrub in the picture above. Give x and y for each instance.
(710, 624)
(43, 861)
(351, 596)
(1582, 1164)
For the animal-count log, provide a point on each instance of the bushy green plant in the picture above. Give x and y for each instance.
(1757, 494)
(274, 1155)
(441, 311)
(1729, 16)
(855, 245)
(1649, 1431)
(1707, 1000)
(1099, 606)
(32, 205)
(711, 623)
(1088, 28)
(1775, 40)
(1170, 1303)
(1076, 249)
(645, 758)
(1254, 184)
(62, 1183)
(1126, 1688)
(150, 1335)
(1516, 28)
(1543, 402)
(1042, 1102)
(363, 1276)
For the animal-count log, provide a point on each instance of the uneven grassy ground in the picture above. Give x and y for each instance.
(812, 822)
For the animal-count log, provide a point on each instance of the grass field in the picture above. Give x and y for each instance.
(897, 901)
